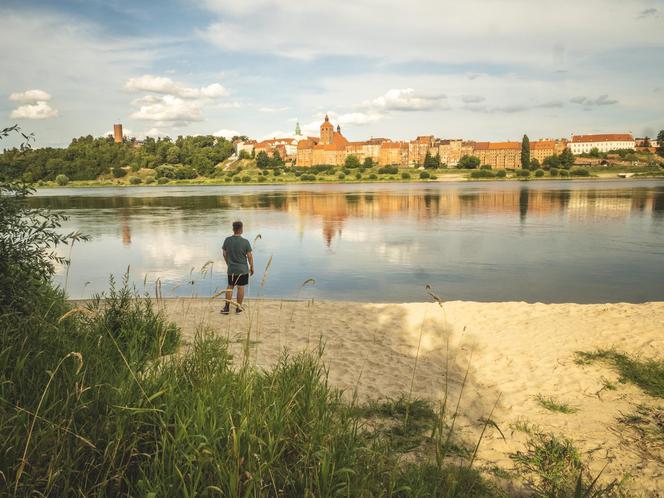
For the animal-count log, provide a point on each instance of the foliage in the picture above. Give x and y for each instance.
(579, 172)
(525, 152)
(368, 163)
(62, 180)
(87, 158)
(405, 175)
(553, 171)
(341, 176)
(118, 172)
(351, 162)
(149, 179)
(660, 143)
(501, 173)
(388, 170)
(539, 173)
(165, 171)
(162, 180)
(553, 405)
(185, 173)
(523, 173)
(564, 172)
(135, 180)
(373, 176)
(482, 173)
(424, 175)
(431, 162)
(468, 162)
(535, 164)
(308, 177)
(358, 176)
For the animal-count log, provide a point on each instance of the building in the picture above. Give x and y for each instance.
(117, 133)
(330, 148)
(498, 155)
(613, 141)
(646, 144)
(541, 149)
(287, 147)
(451, 151)
(418, 149)
(246, 146)
(394, 154)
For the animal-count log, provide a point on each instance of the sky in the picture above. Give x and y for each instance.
(477, 69)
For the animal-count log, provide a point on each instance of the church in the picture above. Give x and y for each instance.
(329, 148)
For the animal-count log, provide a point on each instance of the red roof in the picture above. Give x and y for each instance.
(608, 137)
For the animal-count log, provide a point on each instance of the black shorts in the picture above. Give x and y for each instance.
(238, 279)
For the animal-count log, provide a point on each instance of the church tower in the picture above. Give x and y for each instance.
(326, 132)
(298, 131)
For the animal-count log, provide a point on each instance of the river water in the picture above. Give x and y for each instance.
(549, 241)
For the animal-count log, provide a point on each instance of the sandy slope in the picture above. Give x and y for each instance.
(517, 350)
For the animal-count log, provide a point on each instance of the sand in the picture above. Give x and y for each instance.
(514, 350)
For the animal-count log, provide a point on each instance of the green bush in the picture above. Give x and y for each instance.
(298, 174)
(246, 179)
(276, 172)
(564, 172)
(308, 177)
(346, 171)
(118, 172)
(341, 176)
(553, 171)
(162, 180)
(539, 173)
(501, 173)
(522, 173)
(62, 180)
(358, 176)
(579, 172)
(405, 175)
(165, 171)
(434, 177)
(482, 173)
(485, 166)
(237, 178)
(149, 179)
(134, 180)
(388, 170)
(185, 173)
(373, 176)
(424, 175)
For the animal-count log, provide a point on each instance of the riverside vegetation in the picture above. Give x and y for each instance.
(89, 161)
(102, 399)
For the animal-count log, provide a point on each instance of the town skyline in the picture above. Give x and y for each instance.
(230, 68)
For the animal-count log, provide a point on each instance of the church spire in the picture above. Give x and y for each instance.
(298, 131)
(327, 118)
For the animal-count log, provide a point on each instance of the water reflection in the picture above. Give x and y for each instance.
(384, 242)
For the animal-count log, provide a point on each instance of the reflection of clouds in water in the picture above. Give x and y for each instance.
(399, 253)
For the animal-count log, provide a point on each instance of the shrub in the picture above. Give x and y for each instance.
(346, 171)
(162, 180)
(579, 172)
(358, 176)
(482, 173)
(118, 172)
(564, 172)
(134, 180)
(276, 172)
(352, 162)
(341, 176)
(246, 179)
(523, 173)
(553, 171)
(539, 173)
(62, 180)
(185, 173)
(165, 171)
(373, 176)
(434, 177)
(468, 162)
(237, 178)
(308, 177)
(388, 170)
(501, 173)
(424, 175)
(405, 175)
(485, 166)
(298, 174)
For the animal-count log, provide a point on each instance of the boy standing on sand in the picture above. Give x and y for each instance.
(237, 251)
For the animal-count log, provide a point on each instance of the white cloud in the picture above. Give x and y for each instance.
(164, 85)
(167, 108)
(226, 133)
(30, 96)
(273, 109)
(404, 99)
(40, 110)
(472, 99)
(229, 105)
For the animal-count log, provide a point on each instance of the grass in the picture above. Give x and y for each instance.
(551, 404)
(647, 374)
(644, 429)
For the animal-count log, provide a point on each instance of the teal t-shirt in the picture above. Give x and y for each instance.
(237, 248)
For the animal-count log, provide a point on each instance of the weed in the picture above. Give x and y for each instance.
(551, 404)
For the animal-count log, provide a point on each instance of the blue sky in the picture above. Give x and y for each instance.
(480, 69)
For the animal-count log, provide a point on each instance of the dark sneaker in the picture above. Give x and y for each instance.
(238, 311)
(225, 311)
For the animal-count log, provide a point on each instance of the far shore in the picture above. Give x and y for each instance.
(515, 351)
(444, 178)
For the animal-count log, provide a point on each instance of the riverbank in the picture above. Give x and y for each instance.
(523, 355)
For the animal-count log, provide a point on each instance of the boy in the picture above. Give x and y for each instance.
(237, 251)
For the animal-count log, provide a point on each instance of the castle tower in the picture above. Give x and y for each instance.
(326, 132)
(339, 129)
(298, 131)
(117, 133)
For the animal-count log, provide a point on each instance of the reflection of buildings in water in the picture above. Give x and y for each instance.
(124, 228)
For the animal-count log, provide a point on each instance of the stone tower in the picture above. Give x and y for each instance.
(326, 132)
(117, 133)
(298, 131)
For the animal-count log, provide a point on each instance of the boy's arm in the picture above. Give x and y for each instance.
(226, 256)
(250, 257)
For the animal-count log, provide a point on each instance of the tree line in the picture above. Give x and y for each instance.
(87, 158)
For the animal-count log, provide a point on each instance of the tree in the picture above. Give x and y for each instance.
(431, 162)
(594, 152)
(277, 161)
(262, 160)
(352, 162)
(468, 162)
(368, 163)
(660, 143)
(566, 159)
(534, 163)
(173, 154)
(525, 152)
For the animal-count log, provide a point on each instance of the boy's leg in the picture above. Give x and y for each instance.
(229, 297)
(240, 294)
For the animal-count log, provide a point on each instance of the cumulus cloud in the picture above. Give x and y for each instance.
(404, 99)
(30, 96)
(226, 133)
(590, 102)
(167, 108)
(39, 110)
(165, 85)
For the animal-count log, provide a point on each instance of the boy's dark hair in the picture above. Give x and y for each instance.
(237, 226)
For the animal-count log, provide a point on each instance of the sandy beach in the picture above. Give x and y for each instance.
(514, 350)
